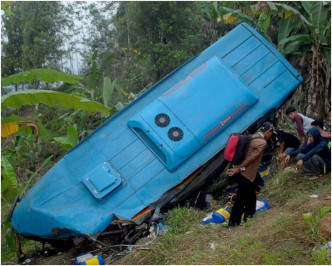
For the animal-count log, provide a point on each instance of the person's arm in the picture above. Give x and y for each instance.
(299, 150)
(248, 160)
(281, 149)
(299, 127)
(296, 152)
(326, 135)
(321, 146)
(259, 149)
(233, 171)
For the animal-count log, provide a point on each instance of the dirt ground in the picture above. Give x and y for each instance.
(263, 228)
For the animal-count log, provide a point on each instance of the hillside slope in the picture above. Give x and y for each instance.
(276, 236)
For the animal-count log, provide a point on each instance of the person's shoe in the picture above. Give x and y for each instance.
(289, 169)
(313, 177)
(232, 224)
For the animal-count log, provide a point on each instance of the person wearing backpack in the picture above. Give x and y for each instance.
(246, 173)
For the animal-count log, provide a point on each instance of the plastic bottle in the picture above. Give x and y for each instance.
(262, 205)
(208, 199)
(221, 215)
(89, 259)
(218, 216)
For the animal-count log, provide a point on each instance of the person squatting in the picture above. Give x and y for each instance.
(311, 149)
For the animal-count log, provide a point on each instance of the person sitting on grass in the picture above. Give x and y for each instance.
(314, 156)
(286, 143)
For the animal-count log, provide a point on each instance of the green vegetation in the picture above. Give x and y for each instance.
(278, 236)
(125, 48)
(51, 99)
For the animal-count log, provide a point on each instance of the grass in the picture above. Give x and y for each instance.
(8, 254)
(320, 256)
(277, 236)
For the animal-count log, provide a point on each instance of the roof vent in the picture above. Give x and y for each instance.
(162, 120)
(175, 134)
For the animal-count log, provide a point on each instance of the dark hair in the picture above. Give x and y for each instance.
(289, 110)
(267, 126)
(318, 122)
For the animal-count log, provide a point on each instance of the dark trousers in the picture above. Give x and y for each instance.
(314, 166)
(245, 201)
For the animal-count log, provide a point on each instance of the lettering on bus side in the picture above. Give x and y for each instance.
(199, 70)
(216, 128)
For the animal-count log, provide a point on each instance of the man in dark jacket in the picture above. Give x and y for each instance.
(286, 143)
(314, 156)
(246, 173)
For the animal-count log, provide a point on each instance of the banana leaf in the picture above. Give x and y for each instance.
(41, 74)
(51, 99)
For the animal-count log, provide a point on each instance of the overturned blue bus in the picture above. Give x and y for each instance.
(163, 145)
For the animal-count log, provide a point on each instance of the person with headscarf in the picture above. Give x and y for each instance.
(314, 156)
(319, 124)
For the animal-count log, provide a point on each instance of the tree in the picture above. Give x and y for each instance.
(160, 35)
(11, 42)
(32, 36)
(302, 32)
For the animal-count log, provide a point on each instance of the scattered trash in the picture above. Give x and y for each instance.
(157, 216)
(328, 244)
(210, 202)
(262, 205)
(207, 219)
(28, 261)
(223, 214)
(231, 188)
(265, 172)
(213, 245)
(314, 196)
(217, 217)
(158, 229)
(89, 259)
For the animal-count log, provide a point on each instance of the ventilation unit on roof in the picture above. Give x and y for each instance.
(162, 120)
(175, 134)
(186, 117)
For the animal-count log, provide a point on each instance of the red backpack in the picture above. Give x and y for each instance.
(236, 147)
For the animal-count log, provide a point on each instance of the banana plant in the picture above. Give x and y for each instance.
(9, 184)
(258, 15)
(108, 94)
(10, 128)
(96, 71)
(308, 27)
(40, 74)
(69, 141)
(47, 97)
(51, 99)
(35, 76)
